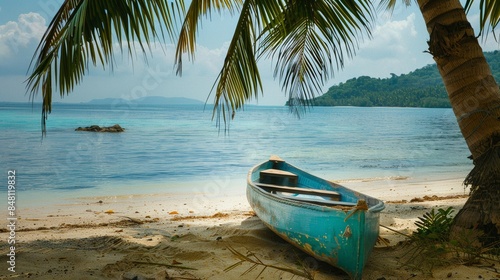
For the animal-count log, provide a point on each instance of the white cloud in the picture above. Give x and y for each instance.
(17, 41)
(19, 34)
(32, 26)
(151, 74)
(207, 63)
(391, 39)
(397, 46)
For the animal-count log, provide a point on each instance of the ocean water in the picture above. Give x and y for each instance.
(179, 148)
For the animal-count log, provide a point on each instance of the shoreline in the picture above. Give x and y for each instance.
(191, 235)
(215, 185)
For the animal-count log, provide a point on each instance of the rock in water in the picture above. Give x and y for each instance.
(96, 128)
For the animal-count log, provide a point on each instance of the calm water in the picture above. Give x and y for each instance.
(179, 147)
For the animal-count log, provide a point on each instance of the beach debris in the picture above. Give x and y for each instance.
(165, 265)
(109, 211)
(133, 220)
(429, 198)
(250, 213)
(96, 128)
(252, 258)
(141, 276)
(217, 215)
(173, 213)
(174, 237)
(382, 240)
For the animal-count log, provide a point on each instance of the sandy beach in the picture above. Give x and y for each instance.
(187, 235)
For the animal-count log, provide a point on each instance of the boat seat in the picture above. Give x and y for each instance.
(320, 201)
(332, 195)
(278, 177)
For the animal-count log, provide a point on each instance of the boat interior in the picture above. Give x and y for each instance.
(285, 184)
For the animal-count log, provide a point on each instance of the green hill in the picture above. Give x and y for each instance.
(420, 88)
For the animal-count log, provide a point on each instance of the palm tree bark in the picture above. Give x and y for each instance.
(475, 98)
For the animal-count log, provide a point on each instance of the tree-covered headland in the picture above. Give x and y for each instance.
(420, 88)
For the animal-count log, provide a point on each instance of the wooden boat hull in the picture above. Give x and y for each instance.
(342, 236)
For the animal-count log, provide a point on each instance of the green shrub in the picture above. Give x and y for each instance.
(434, 225)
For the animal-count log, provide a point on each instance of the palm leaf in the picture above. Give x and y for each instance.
(239, 79)
(489, 14)
(187, 36)
(310, 38)
(256, 262)
(84, 31)
(307, 37)
(389, 5)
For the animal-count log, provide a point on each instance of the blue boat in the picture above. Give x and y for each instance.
(330, 222)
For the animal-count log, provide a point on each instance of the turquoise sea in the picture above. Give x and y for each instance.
(179, 148)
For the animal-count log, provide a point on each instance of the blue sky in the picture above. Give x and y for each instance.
(397, 46)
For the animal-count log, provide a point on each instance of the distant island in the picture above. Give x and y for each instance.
(420, 88)
(148, 100)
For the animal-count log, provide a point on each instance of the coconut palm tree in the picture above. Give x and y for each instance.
(475, 98)
(308, 39)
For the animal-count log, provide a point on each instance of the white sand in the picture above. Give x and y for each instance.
(189, 236)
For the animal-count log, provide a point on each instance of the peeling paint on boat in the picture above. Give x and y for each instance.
(341, 236)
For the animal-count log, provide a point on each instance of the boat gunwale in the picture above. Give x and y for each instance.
(378, 207)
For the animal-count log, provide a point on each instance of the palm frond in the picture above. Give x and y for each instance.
(239, 79)
(389, 5)
(310, 38)
(256, 262)
(188, 32)
(307, 37)
(489, 14)
(84, 31)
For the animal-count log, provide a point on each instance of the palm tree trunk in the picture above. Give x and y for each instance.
(475, 98)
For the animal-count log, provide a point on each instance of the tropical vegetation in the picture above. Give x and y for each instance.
(429, 246)
(308, 40)
(422, 87)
